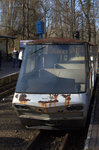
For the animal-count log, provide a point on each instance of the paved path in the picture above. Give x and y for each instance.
(94, 140)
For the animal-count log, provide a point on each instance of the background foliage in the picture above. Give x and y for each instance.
(61, 17)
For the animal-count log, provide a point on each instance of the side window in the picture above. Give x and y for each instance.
(88, 59)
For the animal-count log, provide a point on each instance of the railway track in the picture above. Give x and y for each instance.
(7, 89)
(55, 140)
(49, 140)
(7, 85)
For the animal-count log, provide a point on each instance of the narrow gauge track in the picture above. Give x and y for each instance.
(49, 140)
(7, 85)
(58, 140)
(62, 140)
(7, 89)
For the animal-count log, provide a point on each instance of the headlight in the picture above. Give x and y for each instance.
(74, 107)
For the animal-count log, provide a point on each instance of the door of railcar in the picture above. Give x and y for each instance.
(93, 63)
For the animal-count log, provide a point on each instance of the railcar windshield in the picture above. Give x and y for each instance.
(52, 68)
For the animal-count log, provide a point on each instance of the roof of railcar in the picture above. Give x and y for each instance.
(57, 41)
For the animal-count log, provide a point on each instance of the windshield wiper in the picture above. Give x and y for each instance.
(38, 50)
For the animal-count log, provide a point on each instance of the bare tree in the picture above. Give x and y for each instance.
(20, 17)
(86, 5)
(61, 18)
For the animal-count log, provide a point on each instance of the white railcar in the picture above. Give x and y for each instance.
(55, 83)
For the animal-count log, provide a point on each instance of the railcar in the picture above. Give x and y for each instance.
(55, 83)
(22, 44)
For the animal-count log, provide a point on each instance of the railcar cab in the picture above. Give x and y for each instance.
(55, 83)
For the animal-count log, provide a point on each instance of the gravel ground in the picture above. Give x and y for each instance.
(12, 134)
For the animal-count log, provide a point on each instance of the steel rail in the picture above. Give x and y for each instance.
(61, 144)
(32, 144)
(7, 84)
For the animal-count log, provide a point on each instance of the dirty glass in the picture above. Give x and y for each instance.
(53, 69)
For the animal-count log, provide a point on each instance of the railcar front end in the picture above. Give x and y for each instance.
(53, 89)
(51, 111)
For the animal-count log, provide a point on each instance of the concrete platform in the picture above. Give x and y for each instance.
(6, 68)
(92, 141)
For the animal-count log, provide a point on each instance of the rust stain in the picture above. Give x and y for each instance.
(23, 99)
(56, 96)
(47, 102)
(52, 101)
(50, 105)
(23, 102)
(54, 104)
(67, 98)
(44, 106)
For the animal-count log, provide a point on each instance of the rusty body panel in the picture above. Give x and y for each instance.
(44, 100)
(23, 97)
(48, 113)
(67, 99)
(37, 103)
